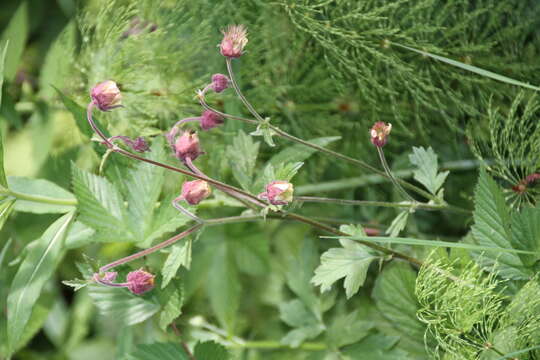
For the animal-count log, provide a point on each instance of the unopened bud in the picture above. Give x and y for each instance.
(195, 191)
(278, 193)
(140, 281)
(379, 133)
(220, 82)
(187, 146)
(234, 41)
(210, 119)
(106, 95)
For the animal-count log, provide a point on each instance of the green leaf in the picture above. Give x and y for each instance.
(79, 114)
(3, 179)
(395, 298)
(525, 233)
(180, 255)
(158, 351)
(398, 224)
(242, 155)
(171, 299)
(300, 272)
(79, 235)
(427, 171)
(347, 329)
(40, 196)
(299, 153)
(306, 325)
(286, 171)
(491, 229)
(16, 33)
(376, 347)
(35, 270)
(121, 305)
(2, 63)
(6, 206)
(167, 219)
(350, 262)
(210, 350)
(471, 68)
(100, 206)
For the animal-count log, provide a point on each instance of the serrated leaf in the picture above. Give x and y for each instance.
(180, 255)
(306, 325)
(171, 299)
(100, 205)
(526, 233)
(492, 229)
(242, 155)
(79, 235)
(376, 347)
(398, 224)
(36, 268)
(158, 351)
(210, 350)
(121, 305)
(428, 167)
(396, 300)
(167, 219)
(58, 199)
(347, 329)
(286, 171)
(16, 33)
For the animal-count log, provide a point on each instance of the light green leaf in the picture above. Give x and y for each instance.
(300, 272)
(242, 155)
(306, 325)
(100, 206)
(3, 179)
(180, 255)
(398, 224)
(347, 329)
(167, 219)
(35, 270)
(158, 351)
(526, 233)
(121, 305)
(427, 169)
(79, 114)
(171, 299)
(6, 206)
(286, 171)
(395, 298)
(79, 235)
(16, 33)
(376, 347)
(2, 63)
(210, 350)
(49, 197)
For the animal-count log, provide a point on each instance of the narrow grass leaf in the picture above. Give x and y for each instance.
(40, 196)
(16, 33)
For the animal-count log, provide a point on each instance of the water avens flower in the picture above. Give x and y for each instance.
(195, 191)
(379, 133)
(184, 146)
(234, 41)
(220, 82)
(210, 119)
(140, 281)
(278, 193)
(106, 95)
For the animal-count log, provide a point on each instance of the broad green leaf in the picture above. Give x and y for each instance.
(120, 304)
(40, 196)
(491, 229)
(79, 114)
(299, 153)
(395, 298)
(242, 155)
(252, 253)
(3, 53)
(100, 206)
(286, 171)
(306, 325)
(299, 274)
(347, 329)
(16, 33)
(180, 255)
(167, 219)
(79, 235)
(427, 169)
(158, 351)
(35, 270)
(210, 350)
(526, 233)
(398, 224)
(171, 299)
(376, 347)
(471, 68)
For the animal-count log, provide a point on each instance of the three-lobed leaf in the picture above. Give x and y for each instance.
(427, 169)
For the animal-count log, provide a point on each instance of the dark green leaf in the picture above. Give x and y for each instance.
(158, 351)
(171, 299)
(210, 350)
(376, 347)
(180, 255)
(40, 196)
(16, 33)
(35, 270)
(526, 233)
(347, 329)
(305, 323)
(242, 155)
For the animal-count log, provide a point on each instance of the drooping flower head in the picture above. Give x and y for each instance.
(140, 281)
(234, 41)
(220, 82)
(278, 193)
(184, 146)
(379, 133)
(195, 191)
(106, 95)
(210, 119)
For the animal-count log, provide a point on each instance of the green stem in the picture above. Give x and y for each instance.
(39, 198)
(276, 345)
(390, 175)
(239, 93)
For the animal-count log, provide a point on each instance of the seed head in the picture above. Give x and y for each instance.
(106, 95)
(140, 281)
(379, 133)
(278, 193)
(234, 41)
(210, 119)
(195, 191)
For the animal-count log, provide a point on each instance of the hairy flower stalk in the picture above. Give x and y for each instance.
(139, 144)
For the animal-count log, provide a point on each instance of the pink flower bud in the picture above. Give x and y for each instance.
(140, 281)
(278, 193)
(210, 119)
(109, 276)
(379, 133)
(220, 82)
(187, 146)
(106, 95)
(234, 41)
(195, 191)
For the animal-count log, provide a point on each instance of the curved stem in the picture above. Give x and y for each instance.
(183, 210)
(239, 92)
(375, 203)
(276, 345)
(151, 249)
(186, 120)
(391, 176)
(203, 103)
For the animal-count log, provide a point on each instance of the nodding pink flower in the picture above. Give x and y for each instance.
(234, 41)
(210, 119)
(379, 133)
(106, 95)
(195, 191)
(220, 82)
(184, 146)
(139, 144)
(278, 193)
(140, 281)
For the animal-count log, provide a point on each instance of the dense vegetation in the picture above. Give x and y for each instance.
(284, 217)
